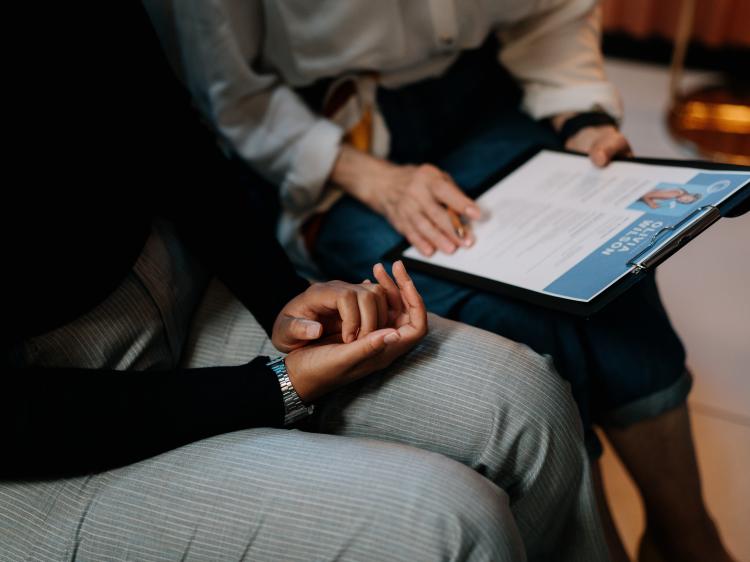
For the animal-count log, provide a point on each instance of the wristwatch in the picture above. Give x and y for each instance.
(294, 408)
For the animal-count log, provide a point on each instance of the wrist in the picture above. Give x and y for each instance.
(569, 125)
(294, 408)
(357, 172)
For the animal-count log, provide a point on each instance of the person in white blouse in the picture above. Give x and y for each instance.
(374, 119)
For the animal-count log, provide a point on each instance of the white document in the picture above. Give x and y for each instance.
(558, 225)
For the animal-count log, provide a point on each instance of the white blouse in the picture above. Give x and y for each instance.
(242, 58)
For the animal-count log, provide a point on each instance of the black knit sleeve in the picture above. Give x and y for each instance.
(67, 421)
(127, 146)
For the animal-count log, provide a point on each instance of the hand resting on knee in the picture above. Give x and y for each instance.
(338, 332)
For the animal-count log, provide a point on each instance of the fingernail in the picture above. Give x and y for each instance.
(393, 337)
(473, 212)
(312, 329)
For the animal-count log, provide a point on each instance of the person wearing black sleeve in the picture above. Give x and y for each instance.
(93, 229)
(142, 415)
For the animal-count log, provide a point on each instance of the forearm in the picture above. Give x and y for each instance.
(58, 421)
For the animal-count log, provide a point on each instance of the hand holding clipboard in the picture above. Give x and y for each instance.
(564, 234)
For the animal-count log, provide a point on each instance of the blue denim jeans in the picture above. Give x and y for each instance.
(624, 364)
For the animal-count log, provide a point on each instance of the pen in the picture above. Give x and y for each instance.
(458, 225)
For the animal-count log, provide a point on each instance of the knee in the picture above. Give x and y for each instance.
(460, 514)
(545, 398)
(515, 394)
(534, 417)
(526, 391)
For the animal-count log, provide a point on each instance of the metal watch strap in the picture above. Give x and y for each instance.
(294, 408)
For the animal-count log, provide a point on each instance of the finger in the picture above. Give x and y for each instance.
(296, 331)
(412, 298)
(428, 230)
(303, 328)
(422, 245)
(448, 193)
(392, 293)
(382, 306)
(469, 238)
(348, 308)
(408, 289)
(439, 216)
(607, 147)
(345, 357)
(381, 302)
(368, 312)
(321, 367)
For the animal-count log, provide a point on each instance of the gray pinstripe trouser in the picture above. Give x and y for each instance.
(468, 448)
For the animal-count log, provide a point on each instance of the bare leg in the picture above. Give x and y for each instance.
(659, 455)
(614, 542)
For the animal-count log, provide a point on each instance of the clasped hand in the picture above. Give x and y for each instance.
(338, 332)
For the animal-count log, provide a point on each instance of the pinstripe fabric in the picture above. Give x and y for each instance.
(142, 325)
(485, 401)
(389, 476)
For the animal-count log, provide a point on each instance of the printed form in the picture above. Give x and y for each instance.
(560, 226)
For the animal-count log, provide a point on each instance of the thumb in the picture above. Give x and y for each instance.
(350, 354)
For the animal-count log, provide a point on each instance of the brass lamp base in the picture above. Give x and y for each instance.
(715, 121)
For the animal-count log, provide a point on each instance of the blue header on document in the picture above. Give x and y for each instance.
(663, 206)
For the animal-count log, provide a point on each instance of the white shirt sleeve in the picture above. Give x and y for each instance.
(264, 121)
(556, 56)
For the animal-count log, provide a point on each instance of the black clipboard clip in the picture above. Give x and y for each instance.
(677, 235)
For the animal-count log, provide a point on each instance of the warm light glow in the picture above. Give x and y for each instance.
(724, 117)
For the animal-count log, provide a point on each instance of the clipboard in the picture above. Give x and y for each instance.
(659, 247)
